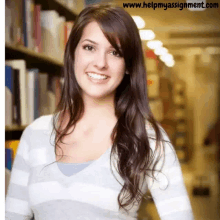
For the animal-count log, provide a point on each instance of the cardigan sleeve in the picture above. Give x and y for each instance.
(17, 204)
(168, 190)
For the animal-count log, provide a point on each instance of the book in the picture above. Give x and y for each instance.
(16, 98)
(13, 22)
(49, 33)
(61, 30)
(29, 10)
(36, 93)
(24, 22)
(30, 100)
(18, 18)
(33, 94)
(8, 158)
(8, 95)
(21, 65)
(28, 23)
(37, 29)
(8, 23)
(51, 92)
(43, 99)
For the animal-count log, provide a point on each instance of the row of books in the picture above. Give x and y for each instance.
(42, 31)
(29, 93)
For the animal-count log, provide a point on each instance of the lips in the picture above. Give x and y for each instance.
(97, 73)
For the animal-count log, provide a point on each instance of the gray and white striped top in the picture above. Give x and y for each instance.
(47, 193)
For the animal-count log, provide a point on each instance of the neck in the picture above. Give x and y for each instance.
(96, 112)
(98, 109)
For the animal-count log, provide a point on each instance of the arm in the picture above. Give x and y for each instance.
(169, 191)
(17, 204)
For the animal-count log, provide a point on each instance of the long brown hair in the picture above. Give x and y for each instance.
(129, 136)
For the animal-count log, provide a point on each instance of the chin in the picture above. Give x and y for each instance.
(99, 96)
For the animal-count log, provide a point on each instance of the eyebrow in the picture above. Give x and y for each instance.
(97, 43)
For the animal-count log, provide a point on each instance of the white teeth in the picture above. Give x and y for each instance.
(96, 76)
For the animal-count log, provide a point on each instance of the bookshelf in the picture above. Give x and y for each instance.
(181, 137)
(40, 60)
(61, 8)
(33, 59)
(167, 98)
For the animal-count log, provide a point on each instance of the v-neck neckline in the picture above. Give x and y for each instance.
(90, 166)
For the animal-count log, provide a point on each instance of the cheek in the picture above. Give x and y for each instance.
(80, 63)
(119, 69)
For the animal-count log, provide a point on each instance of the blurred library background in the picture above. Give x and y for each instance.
(182, 56)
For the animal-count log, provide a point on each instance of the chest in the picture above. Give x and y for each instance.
(84, 144)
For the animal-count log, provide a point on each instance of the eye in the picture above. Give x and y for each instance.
(88, 46)
(115, 53)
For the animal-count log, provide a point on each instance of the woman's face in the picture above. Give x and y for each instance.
(98, 68)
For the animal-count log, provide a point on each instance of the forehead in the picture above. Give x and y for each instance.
(93, 32)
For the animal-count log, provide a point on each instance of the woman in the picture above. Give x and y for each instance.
(103, 127)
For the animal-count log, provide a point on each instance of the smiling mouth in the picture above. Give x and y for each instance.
(97, 76)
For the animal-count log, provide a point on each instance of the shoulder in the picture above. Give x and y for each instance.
(151, 131)
(43, 123)
(165, 140)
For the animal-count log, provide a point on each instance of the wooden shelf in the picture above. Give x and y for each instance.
(13, 134)
(33, 59)
(27, 51)
(15, 128)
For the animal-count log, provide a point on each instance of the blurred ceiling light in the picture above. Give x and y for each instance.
(166, 57)
(154, 44)
(170, 63)
(139, 21)
(147, 34)
(161, 51)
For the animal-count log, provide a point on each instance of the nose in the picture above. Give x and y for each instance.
(100, 60)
